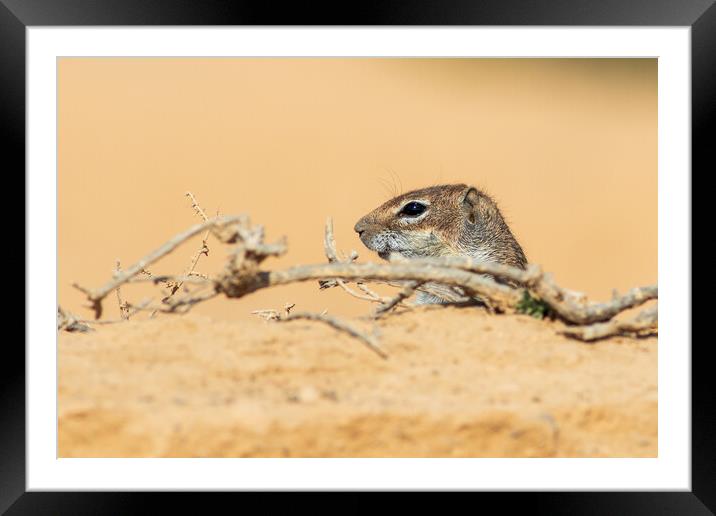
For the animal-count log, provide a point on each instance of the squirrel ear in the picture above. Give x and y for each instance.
(469, 203)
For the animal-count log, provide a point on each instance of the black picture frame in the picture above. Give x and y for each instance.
(17, 15)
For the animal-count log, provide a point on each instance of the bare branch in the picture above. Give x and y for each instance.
(577, 312)
(569, 305)
(453, 279)
(646, 320)
(170, 279)
(274, 315)
(197, 208)
(329, 242)
(122, 305)
(503, 296)
(179, 306)
(340, 325)
(268, 315)
(407, 291)
(364, 297)
(498, 270)
(130, 313)
(96, 296)
(203, 250)
(370, 293)
(69, 322)
(329, 247)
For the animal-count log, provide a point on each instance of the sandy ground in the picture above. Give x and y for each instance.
(458, 383)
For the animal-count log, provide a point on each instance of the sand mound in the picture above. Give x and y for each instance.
(458, 383)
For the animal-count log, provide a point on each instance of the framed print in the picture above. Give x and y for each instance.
(414, 250)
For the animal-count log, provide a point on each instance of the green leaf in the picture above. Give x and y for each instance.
(532, 306)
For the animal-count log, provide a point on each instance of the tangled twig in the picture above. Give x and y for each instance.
(569, 306)
(202, 251)
(334, 322)
(96, 296)
(408, 290)
(340, 325)
(69, 322)
(643, 323)
(500, 287)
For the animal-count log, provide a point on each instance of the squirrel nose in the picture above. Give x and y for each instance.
(359, 227)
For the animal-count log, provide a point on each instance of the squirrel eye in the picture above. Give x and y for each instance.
(413, 209)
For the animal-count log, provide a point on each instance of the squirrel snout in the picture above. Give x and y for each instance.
(359, 227)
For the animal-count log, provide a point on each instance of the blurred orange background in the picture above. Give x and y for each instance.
(568, 148)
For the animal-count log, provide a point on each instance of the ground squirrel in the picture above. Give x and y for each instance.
(443, 220)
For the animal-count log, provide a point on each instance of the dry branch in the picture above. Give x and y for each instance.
(203, 250)
(473, 284)
(275, 315)
(372, 297)
(329, 248)
(568, 305)
(340, 325)
(96, 296)
(370, 293)
(130, 312)
(646, 321)
(586, 313)
(329, 242)
(69, 322)
(498, 286)
(497, 270)
(123, 312)
(181, 305)
(197, 208)
(408, 290)
(170, 279)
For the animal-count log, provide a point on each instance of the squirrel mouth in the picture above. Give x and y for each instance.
(385, 254)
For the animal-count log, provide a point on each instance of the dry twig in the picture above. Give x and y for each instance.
(275, 315)
(130, 312)
(203, 250)
(371, 293)
(69, 322)
(408, 290)
(500, 287)
(179, 306)
(123, 311)
(645, 322)
(568, 305)
(339, 325)
(96, 296)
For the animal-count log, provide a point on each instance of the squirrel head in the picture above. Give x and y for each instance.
(443, 220)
